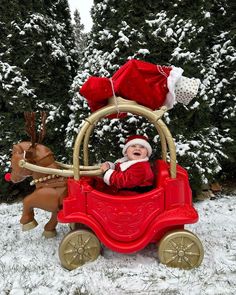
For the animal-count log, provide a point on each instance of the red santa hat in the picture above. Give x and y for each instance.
(137, 139)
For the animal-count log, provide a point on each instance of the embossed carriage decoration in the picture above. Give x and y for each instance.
(126, 224)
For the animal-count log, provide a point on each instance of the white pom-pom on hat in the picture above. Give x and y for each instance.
(186, 89)
(181, 89)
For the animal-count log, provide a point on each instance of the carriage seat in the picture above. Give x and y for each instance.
(161, 172)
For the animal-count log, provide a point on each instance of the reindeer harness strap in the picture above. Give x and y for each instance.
(51, 181)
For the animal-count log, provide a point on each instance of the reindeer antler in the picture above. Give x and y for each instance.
(43, 127)
(30, 126)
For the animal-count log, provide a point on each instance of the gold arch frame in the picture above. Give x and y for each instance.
(119, 104)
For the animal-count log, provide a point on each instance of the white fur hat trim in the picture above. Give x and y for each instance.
(139, 141)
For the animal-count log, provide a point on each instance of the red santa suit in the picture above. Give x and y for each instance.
(136, 175)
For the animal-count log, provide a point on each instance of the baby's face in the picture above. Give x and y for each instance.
(136, 152)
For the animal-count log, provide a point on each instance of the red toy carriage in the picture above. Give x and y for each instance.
(127, 224)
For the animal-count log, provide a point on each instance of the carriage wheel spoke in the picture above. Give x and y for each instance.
(170, 251)
(73, 259)
(182, 242)
(171, 259)
(174, 244)
(188, 261)
(73, 245)
(192, 253)
(188, 246)
(86, 242)
(70, 251)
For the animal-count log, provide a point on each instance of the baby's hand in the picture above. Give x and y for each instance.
(104, 167)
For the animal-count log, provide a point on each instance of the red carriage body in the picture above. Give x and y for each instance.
(128, 223)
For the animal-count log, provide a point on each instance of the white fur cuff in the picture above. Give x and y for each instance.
(107, 176)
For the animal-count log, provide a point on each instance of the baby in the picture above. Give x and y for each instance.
(133, 172)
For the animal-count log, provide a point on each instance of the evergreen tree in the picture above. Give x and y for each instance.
(221, 63)
(182, 33)
(192, 36)
(38, 63)
(80, 36)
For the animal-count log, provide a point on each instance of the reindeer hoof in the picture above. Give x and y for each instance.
(30, 225)
(49, 234)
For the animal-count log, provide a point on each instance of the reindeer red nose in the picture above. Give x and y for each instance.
(7, 176)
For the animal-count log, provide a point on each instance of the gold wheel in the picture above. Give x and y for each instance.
(182, 249)
(77, 248)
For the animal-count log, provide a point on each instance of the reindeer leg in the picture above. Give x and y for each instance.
(27, 219)
(44, 198)
(50, 227)
(48, 199)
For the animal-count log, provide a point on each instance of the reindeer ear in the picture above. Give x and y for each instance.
(29, 154)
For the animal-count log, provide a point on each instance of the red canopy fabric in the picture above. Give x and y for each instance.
(136, 80)
(96, 90)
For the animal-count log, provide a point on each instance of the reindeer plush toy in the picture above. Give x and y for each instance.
(49, 189)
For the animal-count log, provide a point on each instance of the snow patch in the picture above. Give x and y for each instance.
(30, 264)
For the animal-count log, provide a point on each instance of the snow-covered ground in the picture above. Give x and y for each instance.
(29, 264)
